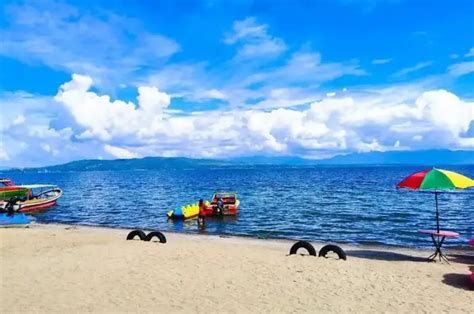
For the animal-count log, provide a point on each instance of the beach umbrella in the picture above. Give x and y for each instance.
(436, 180)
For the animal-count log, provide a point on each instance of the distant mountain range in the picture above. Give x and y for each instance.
(426, 158)
(147, 163)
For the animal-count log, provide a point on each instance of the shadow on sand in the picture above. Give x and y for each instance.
(461, 258)
(461, 281)
(384, 256)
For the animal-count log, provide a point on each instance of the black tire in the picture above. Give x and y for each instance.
(157, 234)
(305, 245)
(138, 233)
(332, 248)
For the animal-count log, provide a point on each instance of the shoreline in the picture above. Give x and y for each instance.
(381, 246)
(73, 268)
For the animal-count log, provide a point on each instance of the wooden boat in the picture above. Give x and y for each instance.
(28, 198)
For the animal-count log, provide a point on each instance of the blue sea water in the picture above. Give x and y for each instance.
(358, 205)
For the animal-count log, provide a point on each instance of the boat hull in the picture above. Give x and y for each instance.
(209, 210)
(37, 204)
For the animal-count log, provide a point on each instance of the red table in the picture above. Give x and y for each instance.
(438, 238)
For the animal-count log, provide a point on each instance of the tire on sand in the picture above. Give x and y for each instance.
(157, 234)
(303, 244)
(332, 248)
(138, 233)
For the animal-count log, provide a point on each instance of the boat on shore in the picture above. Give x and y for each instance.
(28, 198)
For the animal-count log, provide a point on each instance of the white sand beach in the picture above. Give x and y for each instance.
(58, 268)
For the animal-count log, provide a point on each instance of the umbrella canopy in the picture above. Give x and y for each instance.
(436, 180)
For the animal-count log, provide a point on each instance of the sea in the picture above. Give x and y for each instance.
(355, 205)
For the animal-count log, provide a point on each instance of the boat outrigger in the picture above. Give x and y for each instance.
(28, 198)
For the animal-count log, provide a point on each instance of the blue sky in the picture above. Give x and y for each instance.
(122, 79)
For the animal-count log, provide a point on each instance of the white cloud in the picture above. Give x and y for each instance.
(415, 68)
(308, 66)
(105, 119)
(119, 152)
(80, 123)
(353, 123)
(244, 29)
(470, 53)
(106, 46)
(462, 68)
(382, 61)
(20, 119)
(3, 153)
(236, 83)
(267, 47)
(255, 40)
(215, 94)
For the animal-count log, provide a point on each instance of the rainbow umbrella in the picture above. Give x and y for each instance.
(436, 180)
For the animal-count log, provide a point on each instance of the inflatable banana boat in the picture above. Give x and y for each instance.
(184, 212)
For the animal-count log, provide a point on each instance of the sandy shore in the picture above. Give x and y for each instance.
(46, 268)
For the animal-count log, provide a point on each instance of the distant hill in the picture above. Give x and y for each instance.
(280, 160)
(423, 157)
(427, 157)
(147, 163)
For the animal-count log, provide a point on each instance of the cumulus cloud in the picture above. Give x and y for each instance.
(105, 119)
(98, 126)
(335, 124)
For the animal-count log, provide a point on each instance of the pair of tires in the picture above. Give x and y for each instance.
(322, 253)
(146, 237)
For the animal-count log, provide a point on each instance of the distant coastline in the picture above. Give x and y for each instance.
(393, 158)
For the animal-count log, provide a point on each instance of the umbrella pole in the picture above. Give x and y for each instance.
(437, 213)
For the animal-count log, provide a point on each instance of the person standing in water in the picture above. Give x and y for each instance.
(220, 206)
(201, 215)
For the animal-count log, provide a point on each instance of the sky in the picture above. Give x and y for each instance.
(219, 79)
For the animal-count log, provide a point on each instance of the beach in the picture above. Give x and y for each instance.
(60, 268)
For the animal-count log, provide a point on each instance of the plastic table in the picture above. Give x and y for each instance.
(438, 238)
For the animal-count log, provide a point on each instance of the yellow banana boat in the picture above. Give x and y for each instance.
(184, 212)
